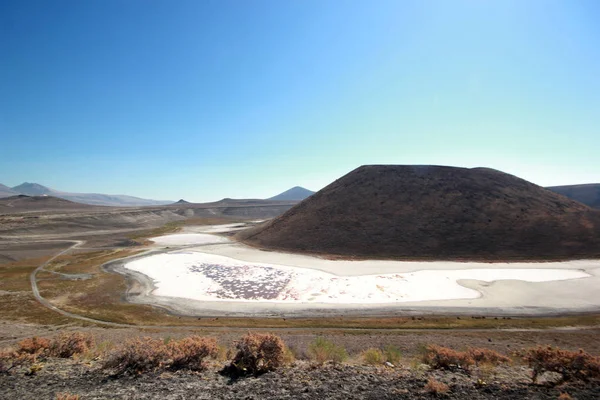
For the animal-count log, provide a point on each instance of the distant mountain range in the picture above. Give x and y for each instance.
(295, 193)
(588, 194)
(97, 199)
(5, 191)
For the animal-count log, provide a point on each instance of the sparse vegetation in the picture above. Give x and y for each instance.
(571, 365)
(256, 354)
(322, 350)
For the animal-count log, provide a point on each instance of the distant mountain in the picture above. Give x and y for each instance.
(295, 193)
(32, 189)
(588, 194)
(5, 191)
(182, 201)
(35, 189)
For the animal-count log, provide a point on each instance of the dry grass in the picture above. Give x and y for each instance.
(564, 396)
(322, 350)
(392, 354)
(373, 356)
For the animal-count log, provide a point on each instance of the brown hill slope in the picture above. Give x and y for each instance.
(23, 203)
(587, 194)
(431, 212)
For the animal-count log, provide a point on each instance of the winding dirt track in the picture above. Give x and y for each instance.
(46, 303)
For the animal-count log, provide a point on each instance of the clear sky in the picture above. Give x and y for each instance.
(208, 99)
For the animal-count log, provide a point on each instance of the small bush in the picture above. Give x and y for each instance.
(571, 365)
(67, 396)
(11, 359)
(373, 356)
(190, 352)
(564, 396)
(487, 356)
(436, 387)
(67, 345)
(321, 350)
(256, 354)
(392, 354)
(33, 345)
(138, 356)
(438, 357)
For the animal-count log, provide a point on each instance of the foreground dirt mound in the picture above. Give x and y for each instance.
(431, 212)
(587, 194)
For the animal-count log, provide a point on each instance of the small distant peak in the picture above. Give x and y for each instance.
(182, 201)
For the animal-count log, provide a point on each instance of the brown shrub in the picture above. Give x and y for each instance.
(256, 354)
(571, 365)
(438, 357)
(564, 396)
(33, 345)
(138, 356)
(190, 352)
(67, 345)
(487, 356)
(436, 387)
(67, 396)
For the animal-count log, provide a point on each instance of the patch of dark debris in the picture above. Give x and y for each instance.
(299, 382)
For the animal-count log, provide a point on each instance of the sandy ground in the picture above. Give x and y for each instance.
(227, 278)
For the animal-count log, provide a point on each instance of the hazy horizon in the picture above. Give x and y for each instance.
(203, 100)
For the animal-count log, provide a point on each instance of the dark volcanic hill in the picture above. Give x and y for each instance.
(587, 194)
(295, 193)
(431, 212)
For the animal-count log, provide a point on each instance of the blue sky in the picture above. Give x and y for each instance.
(209, 99)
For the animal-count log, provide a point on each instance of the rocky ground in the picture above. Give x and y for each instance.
(301, 381)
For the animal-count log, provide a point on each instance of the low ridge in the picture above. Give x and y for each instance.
(434, 212)
(588, 194)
